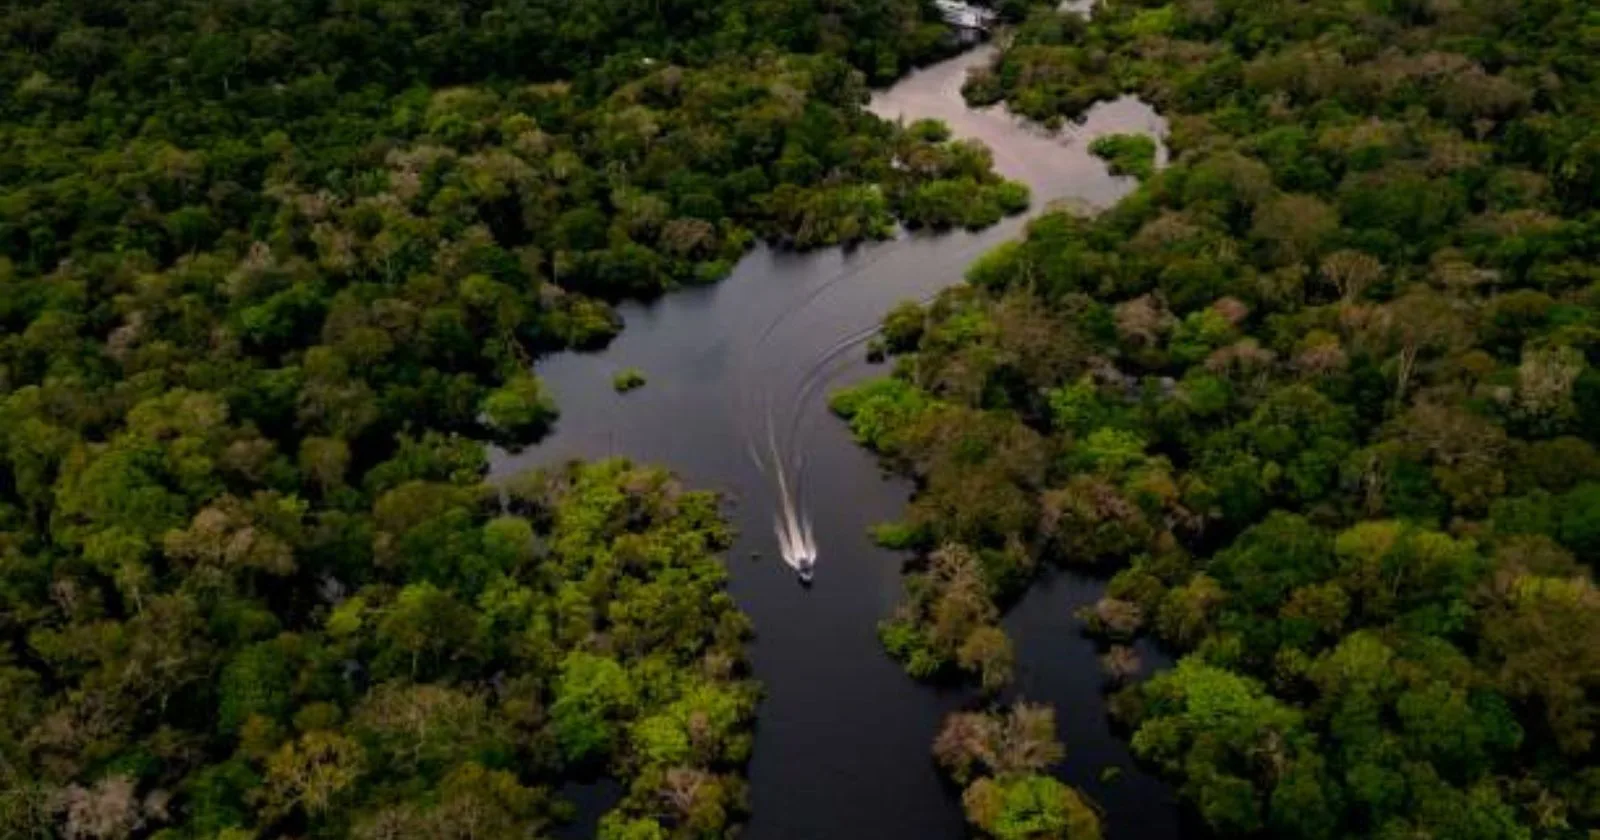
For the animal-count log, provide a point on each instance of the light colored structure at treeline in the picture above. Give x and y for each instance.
(965, 16)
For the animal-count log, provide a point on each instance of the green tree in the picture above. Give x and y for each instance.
(519, 408)
(591, 693)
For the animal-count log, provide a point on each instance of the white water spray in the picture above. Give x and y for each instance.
(790, 523)
(796, 544)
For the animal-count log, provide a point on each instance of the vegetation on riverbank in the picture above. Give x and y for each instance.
(1322, 395)
(1126, 154)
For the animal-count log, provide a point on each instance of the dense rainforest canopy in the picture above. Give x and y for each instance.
(1321, 398)
(1323, 395)
(270, 275)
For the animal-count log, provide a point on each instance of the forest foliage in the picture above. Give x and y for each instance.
(431, 666)
(271, 274)
(1321, 397)
(1001, 759)
(1126, 154)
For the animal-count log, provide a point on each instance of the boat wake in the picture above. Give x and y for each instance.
(782, 457)
(791, 522)
(797, 545)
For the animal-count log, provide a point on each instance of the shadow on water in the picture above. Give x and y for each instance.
(590, 801)
(842, 745)
(1057, 664)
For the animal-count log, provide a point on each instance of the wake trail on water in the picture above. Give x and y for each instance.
(797, 544)
(785, 464)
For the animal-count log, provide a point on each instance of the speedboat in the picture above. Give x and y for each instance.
(805, 570)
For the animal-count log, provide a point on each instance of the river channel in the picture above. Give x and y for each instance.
(738, 376)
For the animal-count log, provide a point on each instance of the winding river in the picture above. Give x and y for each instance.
(739, 375)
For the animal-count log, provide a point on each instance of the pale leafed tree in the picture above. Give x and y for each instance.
(1021, 740)
(1028, 740)
(1350, 272)
(987, 651)
(1320, 354)
(1545, 379)
(966, 744)
(311, 771)
(1114, 618)
(110, 810)
(1142, 320)
(1120, 664)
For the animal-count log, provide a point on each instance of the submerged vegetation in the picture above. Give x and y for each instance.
(1322, 398)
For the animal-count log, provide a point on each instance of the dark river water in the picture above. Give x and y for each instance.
(738, 378)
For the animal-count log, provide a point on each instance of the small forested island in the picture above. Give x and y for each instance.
(1319, 401)
(627, 379)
